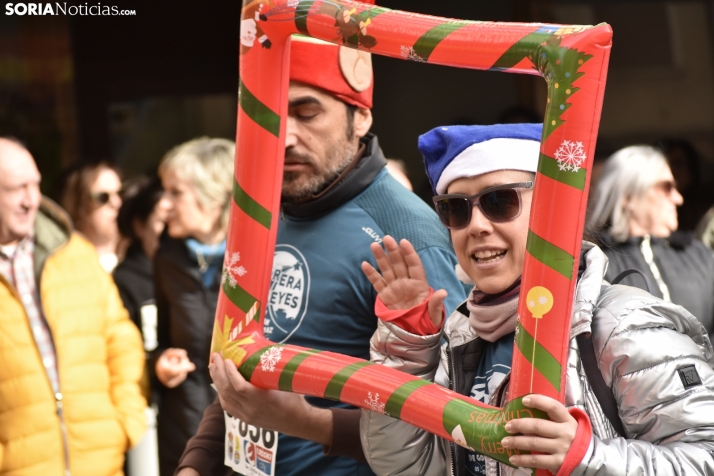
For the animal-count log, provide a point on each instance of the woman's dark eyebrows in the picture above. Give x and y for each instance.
(302, 100)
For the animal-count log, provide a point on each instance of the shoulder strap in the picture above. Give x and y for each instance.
(597, 383)
(627, 272)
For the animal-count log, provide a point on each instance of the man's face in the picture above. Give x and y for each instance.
(320, 141)
(19, 192)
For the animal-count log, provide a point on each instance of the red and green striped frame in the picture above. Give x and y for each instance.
(572, 59)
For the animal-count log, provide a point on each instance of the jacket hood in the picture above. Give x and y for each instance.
(593, 264)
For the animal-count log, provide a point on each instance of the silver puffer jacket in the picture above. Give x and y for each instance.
(640, 341)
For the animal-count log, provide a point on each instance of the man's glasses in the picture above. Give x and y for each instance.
(498, 204)
(102, 198)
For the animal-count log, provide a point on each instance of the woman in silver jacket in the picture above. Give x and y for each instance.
(653, 355)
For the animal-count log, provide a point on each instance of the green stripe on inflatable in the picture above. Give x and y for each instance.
(550, 255)
(238, 296)
(259, 112)
(301, 13)
(285, 382)
(250, 206)
(334, 388)
(394, 404)
(551, 168)
(526, 46)
(252, 362)
(425, 45)
(544, 362)
(372, 12)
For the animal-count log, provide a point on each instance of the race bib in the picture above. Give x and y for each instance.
(250, 450)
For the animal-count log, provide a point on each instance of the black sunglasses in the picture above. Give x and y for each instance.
(102, 198)
(498, 204)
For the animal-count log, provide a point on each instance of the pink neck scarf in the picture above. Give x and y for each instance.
(493, 316)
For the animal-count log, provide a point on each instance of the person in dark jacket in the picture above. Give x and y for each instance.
(197, 178)
(634, 209)
(141, 221)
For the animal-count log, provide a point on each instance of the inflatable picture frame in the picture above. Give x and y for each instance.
(573, 60)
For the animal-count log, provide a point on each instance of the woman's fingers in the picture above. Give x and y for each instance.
(374, 277)
(395, 256)
(553, 438)
(532, 443)
(436, 306)
(534, 426)
(415, 268)
(395, 261)
(385, 266)
(537, 461)
(556, 411)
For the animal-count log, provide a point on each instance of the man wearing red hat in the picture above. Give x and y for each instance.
(337, 199)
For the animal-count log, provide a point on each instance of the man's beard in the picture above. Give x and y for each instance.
(301, 186)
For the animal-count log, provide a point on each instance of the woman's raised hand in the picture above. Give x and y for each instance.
(402, 283)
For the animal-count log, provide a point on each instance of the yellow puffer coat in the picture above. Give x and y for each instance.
(100, 360)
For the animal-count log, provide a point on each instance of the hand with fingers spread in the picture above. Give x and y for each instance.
(402, 283)
(173, 366)
(286, 412)
(552, 439)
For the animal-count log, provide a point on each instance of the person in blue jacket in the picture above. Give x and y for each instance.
(337, 199)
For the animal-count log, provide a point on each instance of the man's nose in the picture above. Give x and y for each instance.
(31, 197)
(291, 132)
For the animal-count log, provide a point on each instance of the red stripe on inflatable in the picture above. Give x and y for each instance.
(316, 372)
(425, 404)
(555, 224)
(451, 50)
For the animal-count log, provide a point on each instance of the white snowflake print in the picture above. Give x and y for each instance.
(293, 3)
(409, 53)
(231, 270)
(570, 155)
(543, 300)
(270, 359)
(374, 403)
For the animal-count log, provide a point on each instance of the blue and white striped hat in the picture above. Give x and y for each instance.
(453, 152)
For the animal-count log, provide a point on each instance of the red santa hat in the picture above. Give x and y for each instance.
(341, 71)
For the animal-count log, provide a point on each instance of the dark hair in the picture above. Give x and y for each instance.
(351, 110)
(140, 196)
(76, 181)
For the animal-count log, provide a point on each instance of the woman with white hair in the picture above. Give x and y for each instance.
(634, 209)
(197, 178)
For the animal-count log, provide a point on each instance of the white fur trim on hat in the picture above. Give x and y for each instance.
(489, 156)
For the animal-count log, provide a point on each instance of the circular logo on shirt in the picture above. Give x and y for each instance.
(249, 449)
(289, 291)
